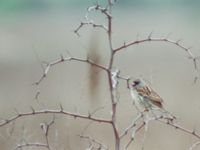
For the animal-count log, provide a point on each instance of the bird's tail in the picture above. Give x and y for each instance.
(164, 114)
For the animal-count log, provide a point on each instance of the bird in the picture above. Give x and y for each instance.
(146, 99)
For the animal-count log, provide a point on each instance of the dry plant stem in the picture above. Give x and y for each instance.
(160, 119)
(89, 23)
(181, 128)
(133, 124)
(46, 128)
(92, 140)
(113, 98)
(97, 7)
(60, 111)
(133, 137)
(149, 39)
(194, 145)
(62, 60)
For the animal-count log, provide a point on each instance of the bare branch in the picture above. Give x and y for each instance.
(133, 124)
(61, 112)
(66, 59)
(92, 140)
(149, 39)
(82, 24)
(194, 145)
(133, 135)
(99, 8)
(181, 128)
(127, 79)
(155, 40)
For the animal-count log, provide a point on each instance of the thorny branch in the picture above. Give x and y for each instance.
(66, 59)
(133, 124)
(150, 39)
(160, 119)
(194, 145)
(48, 111)
(96, 7)
(89, 23)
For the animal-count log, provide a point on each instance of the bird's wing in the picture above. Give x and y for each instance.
(151, 95)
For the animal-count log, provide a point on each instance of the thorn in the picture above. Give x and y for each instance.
(44, 76)
(33, 110)
(37, 95)
(69, 54)
(61, 108)
(150, 35)
(43, 126)
(168, 122)
(81, 24)
(87, 58)
(178, 41)
(89, 115)
(61, 58)
(16, 111)
(35, 83)
(124, 44)
(47, 68)
(195, 63)
(194, 132)
(7, 121)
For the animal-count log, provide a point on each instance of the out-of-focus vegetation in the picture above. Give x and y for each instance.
(7, 6)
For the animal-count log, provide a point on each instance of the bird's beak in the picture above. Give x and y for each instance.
(133, 84)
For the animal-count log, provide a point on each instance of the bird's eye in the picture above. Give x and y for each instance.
(136, 82)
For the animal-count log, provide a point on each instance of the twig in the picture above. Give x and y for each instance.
(100, 145)
(82, 24)
(46, 128)
(181, 128)
(133, 124)
(60, 111)
(133, 135)
(194, 145)
(66, 59)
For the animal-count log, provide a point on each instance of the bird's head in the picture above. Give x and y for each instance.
(138, 83)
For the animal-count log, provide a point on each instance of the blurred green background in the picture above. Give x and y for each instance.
(16, 6)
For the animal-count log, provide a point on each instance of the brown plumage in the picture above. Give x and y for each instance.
(148, 93)
(151, 95)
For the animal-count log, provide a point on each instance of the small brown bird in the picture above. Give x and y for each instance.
(146, 99)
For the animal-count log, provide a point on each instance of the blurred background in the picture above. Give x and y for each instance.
(36, 31)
